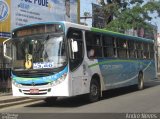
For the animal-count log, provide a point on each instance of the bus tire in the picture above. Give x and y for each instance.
(94, 94)
(50, 100)
(140, 85)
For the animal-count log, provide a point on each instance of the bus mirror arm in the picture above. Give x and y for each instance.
(5, 49)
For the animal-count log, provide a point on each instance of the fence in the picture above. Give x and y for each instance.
(5, 80)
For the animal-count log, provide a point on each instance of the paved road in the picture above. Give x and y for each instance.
(123, 100)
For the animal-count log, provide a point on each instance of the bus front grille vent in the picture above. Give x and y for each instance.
(27, 74)
(41, 92)
(39, 84)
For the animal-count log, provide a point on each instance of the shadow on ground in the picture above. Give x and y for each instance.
(78, 101)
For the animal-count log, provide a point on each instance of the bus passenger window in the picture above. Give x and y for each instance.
(93, 41)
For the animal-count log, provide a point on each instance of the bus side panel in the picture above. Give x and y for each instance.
(148, 70)
(120, 73)
(82, 76)
(79, 84)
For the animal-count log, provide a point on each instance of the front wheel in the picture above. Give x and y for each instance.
(140, 82)
(94, 94)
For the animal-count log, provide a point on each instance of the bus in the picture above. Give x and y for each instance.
(56, 59)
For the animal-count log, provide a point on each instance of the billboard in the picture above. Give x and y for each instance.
(4, 18)
(32, 11)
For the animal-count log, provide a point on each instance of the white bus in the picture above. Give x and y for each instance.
(57, 59)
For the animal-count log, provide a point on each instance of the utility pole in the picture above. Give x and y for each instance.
(78, 11)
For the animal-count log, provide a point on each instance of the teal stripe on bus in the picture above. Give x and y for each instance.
(115, 61)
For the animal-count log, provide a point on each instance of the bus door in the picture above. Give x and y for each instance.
(76, 55)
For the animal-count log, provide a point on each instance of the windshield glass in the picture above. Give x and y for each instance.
(39, 52)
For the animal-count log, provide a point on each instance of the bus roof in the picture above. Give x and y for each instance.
(114, 34)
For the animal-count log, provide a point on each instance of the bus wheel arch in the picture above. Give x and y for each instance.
(140, 84)
(95, 88)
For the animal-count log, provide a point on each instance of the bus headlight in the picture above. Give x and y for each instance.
(16, 84)
(59, 80)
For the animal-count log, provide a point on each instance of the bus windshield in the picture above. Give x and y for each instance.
(39, 52)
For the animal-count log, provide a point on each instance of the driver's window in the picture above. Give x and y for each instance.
(75, 57)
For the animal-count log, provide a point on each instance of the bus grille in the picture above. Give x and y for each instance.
(41, 92)
(35, 93)
(40, 84)
(33, 74)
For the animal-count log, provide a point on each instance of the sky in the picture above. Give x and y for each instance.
(156, 22)
(86, 6)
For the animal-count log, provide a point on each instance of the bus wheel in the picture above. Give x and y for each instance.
(94, 94)
(50, 100)
(140, 81)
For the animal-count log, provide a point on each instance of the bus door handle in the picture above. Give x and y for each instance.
(84, 69)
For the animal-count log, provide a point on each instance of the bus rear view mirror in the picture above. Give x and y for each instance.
(74, 46)
(7, 49)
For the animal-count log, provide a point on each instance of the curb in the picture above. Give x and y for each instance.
(5, 94)
(13, 100)
(17, 103)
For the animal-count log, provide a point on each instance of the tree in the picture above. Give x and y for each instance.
(123, 15)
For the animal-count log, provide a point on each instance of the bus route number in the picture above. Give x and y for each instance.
(43, 65)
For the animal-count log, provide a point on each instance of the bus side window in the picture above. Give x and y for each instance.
(122, 48)
(93, 44)
(145, 51)
(139, 50)
(108, 46)
(151, 50)
(131, 49)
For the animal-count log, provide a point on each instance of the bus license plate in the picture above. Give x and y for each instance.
(34, 91)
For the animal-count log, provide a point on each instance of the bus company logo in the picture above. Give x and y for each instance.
(4, 10)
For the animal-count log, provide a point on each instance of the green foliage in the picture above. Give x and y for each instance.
(129, 14)
(86, 14)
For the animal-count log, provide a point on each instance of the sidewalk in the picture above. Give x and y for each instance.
(7, 100)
